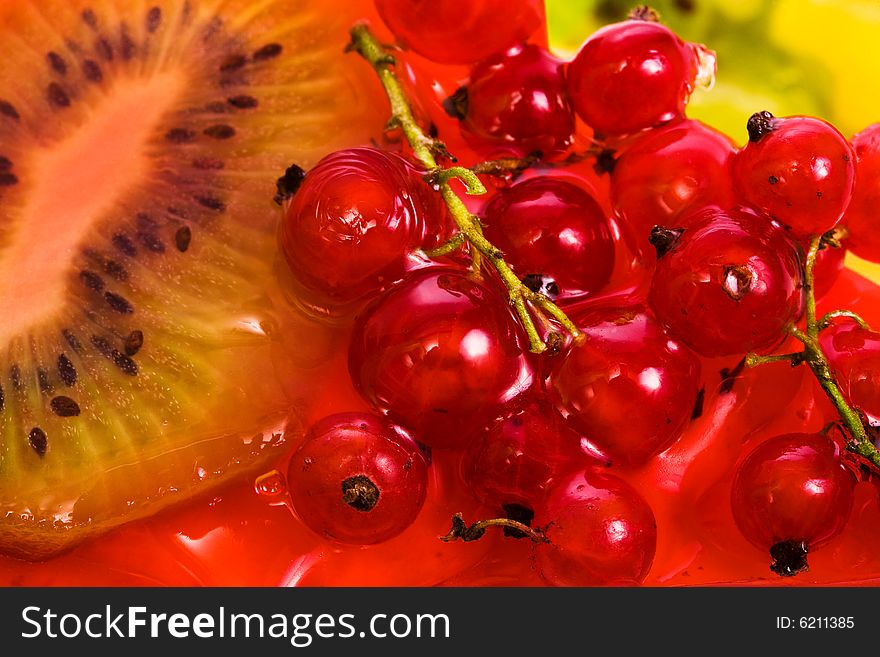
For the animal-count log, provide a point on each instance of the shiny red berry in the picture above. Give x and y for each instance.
(455, 32)
(729, 284)
(351, 225)
(853, 353)
(516, 103)
(439, 353)
(630, 389)
(860, 218)
(601, 532)
(550, 227)
(799, 170)
(355, 479)
(790, 495)
(633, 75)
(669, 172)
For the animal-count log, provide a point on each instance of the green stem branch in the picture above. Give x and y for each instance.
(815, 359)
(425, 150)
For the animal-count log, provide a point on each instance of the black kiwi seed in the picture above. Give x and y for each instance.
(58, 98)
(90, 19)
(7, 109)
(150, 240)
(15, 377)
(114, 269)
(2, 399)
(118, 303)
(126, 46)
(104, 49)
(134, 342)
(154, 19)
(124, 245)
(91, 280)
(8, 179)
(64, 406)
(124, 363)
(38, 441)
(243, 101)
(269, 51)
(180, 135)
(102, 345)
(92, 71)
(72, 340)
(233, 62)
(5, 163)
(182, 238)
(57, 63)
(66, 370)
(211, 202)
(46, 386)
(220, 131)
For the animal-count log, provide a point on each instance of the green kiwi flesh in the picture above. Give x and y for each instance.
(146, 350)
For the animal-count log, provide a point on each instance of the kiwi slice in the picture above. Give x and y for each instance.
(146, 350)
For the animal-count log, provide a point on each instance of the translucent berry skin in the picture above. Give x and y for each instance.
(860, 218)
(601, 532)
(800, 171)
(629, 389)
(455, 32)
(356, 217)
(792, 487)
(830, 263)
(669, 172)
(517, 104)
(347, 450)
(731, 284)
(854, 356)
(631, 76)
(552, 227)
(440, 353)
(521, 454)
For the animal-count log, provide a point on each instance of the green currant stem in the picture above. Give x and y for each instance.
(815, 359)
(426, 150)
(825, 322)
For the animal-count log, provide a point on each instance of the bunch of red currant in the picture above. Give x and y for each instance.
(552, 305)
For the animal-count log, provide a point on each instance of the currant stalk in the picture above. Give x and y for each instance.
(816, 360)
(426, 150)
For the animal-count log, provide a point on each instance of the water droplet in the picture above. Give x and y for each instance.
(270, 484)
(201, 473)
(706, 66)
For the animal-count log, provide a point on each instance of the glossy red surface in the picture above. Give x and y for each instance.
(440, 352)
(801, 173)
(361, 454)
(601, 532)
(860, 218)
(730, 285)
(630, 76)
(551, 227)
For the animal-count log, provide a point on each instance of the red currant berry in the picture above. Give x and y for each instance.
(601, 533)
(440, 353)
(455, 32)
(829, 266)
(863, 228)
(550, 227)
(629, 389)
(669, 172)
(729, 284)
(521, 454)
(799, 170)
(633, 75)
(355, 479)
(357, 215)
(515, 103)
(790, 495)
(853, 353)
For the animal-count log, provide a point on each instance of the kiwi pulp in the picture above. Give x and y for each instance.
(139, 343)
